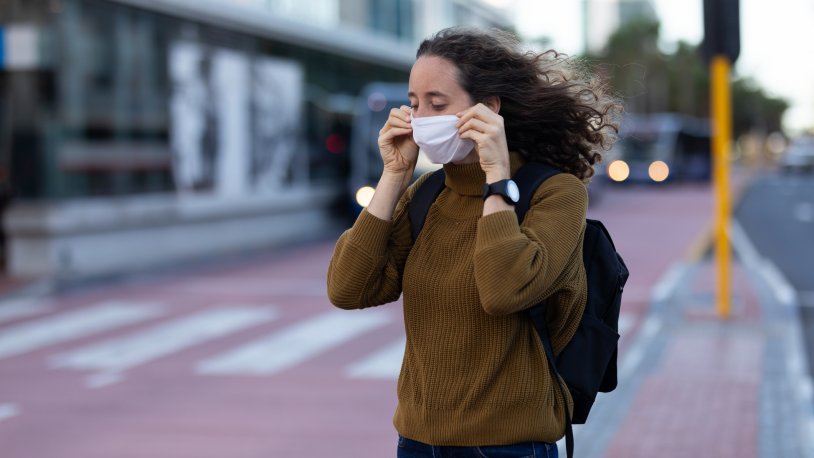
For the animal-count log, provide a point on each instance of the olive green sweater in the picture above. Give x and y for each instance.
(474, 370)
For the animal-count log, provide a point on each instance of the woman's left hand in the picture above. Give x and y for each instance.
(485, 127)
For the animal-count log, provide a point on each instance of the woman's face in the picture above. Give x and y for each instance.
(434, 89)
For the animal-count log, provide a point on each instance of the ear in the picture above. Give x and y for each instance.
(493, 103)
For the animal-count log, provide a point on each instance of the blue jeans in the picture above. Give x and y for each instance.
(409, 448)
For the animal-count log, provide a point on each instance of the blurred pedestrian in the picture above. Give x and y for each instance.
(474, 380)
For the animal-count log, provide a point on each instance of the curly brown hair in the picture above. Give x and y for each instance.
(552, 111)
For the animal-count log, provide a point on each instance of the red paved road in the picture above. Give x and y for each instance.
(162, 375)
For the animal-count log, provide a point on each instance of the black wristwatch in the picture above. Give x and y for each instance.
(507, 189)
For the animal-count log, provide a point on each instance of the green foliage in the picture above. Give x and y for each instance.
(649, 80)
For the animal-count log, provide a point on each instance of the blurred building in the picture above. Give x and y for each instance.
(138, 132)
(603, 17)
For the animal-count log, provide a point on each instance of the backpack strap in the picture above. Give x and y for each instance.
(422, 200)
(530, 176)
(538, 317)
(528, 179)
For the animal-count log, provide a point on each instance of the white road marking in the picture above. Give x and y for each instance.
(782, 290)
(41, 333)
(8, 410)
(283, 287)
(668, 282)
(11, 309)
(120, 354)
(626, 321)
(103, 379)
(633, 356)
(797, 370)
(293, 345)
(383, 364)
(743, 246)
(804, 212)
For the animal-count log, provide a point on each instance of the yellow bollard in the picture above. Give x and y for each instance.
(721, 142)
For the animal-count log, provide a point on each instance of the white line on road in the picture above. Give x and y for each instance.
(41, 333)
(797, 370)
(295, 344)
(103, 379)
(633, 357)
(383, 364)
(781, 289)
(626, 321)
(121, 354)
(8, 410)
(12, 309)
(668, 282)
(278, 286)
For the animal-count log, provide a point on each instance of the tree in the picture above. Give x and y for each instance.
(651, 81)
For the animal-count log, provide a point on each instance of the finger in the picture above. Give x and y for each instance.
(399, 113)
(395, 132)
(400, 123)
(474, 135)
(477, 125)
(479, 111)
(394, 121)
(464, 116)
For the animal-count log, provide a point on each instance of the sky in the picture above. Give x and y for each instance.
(777, 41)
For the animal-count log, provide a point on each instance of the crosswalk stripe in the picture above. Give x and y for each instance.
(41, 333)
(383, 364)
(126, 352)
(21, 308)
(8, 410)
(295, 344)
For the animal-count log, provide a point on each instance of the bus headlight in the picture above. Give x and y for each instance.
(658, 171)
(364, 195)
(618, 170)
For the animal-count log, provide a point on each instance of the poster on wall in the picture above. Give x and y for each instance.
(276, 106)
(235, 120)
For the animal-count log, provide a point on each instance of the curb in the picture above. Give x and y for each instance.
(703, 242)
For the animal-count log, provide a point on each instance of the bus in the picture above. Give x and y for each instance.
(661, 148)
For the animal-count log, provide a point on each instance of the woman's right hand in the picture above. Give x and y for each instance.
(396, 145)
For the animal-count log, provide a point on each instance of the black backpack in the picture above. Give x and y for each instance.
(588, 362)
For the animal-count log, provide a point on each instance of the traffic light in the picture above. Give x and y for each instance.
(721, 29)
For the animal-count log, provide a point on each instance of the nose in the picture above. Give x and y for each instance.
(418, 112)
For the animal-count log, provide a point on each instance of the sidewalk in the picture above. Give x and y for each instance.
(694, 385)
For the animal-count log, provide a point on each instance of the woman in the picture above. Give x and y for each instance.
(474, 379)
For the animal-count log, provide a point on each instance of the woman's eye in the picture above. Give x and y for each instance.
(438, 107)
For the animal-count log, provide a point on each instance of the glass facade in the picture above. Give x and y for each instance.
(137, 102)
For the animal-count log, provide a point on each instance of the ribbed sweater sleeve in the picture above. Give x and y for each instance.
(518, 266)
(368, 261)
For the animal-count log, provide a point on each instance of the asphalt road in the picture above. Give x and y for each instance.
(777, 213)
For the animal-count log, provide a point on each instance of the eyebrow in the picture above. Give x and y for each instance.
(431, 94)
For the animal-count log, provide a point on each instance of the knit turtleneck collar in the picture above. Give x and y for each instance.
(468, 179)
(465, 179)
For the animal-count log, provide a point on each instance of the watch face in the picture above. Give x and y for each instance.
(513, 191)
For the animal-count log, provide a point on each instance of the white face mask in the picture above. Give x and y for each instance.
(438, 137)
